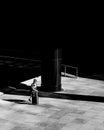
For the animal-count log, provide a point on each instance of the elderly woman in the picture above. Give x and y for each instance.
(34, 92)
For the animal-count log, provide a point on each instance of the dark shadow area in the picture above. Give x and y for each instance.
(17, 65)
(15, 91)
(96, 76)
(18, 101)
(13, 77)
(73, 97)
(15, 100)
(53, 95)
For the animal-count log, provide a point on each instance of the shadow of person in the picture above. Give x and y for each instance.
(18, 101)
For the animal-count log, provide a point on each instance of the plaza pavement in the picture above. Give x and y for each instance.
(79, 106)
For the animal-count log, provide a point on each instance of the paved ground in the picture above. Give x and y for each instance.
(79, 106)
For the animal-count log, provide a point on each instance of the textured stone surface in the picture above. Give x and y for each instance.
(16, 113)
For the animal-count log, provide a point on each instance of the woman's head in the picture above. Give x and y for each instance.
(34, 80)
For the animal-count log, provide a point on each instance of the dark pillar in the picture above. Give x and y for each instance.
(51, 70)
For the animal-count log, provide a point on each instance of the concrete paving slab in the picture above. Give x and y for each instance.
(55, 113)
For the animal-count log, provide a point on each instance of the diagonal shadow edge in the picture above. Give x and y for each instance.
(73, 96)
(61, 95)
(17, 101)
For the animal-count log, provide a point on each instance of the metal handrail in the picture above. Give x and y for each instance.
(68, 66)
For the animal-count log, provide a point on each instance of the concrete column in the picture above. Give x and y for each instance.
(51, 70)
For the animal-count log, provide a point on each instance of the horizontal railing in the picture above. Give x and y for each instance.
(66, 72)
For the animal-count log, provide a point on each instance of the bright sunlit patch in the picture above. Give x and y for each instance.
(28, 82)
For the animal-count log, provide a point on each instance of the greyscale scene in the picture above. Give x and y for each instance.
(52, 66)
(51, 89)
